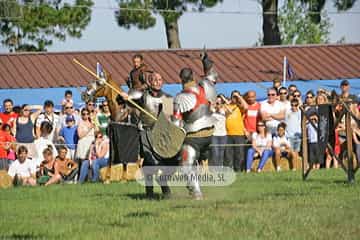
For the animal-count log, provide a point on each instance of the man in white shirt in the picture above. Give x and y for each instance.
(272, 111)
(50, 117)
(23, 170)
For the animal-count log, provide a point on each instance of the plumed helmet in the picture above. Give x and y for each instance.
(186, 75)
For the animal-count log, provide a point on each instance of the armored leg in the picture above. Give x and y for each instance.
(189, 157)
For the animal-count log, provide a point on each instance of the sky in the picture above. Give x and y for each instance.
(215, 30)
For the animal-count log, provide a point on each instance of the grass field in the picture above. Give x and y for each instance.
(256, 206)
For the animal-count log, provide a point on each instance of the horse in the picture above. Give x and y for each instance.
(119, 112)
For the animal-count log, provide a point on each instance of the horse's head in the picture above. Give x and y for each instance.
(94, 90)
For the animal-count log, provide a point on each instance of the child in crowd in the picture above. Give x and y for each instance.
(23, 170)
(313, 148)
(281, 146)
(67, 98)
(69, 136)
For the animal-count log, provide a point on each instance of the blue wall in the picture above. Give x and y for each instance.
(38, 96)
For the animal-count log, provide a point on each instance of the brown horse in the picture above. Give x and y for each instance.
(100, 89)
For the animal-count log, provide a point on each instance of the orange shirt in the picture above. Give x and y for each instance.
(234, 121)
(5, 138)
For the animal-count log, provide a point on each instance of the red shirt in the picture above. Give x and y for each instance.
(8, 118)
(251, 117)
(4, 138)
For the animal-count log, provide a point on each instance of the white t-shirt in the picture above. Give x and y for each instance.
(286, 105)
(261, 142)
(281, 142)
(293, 123)
(220, 124)
(42, 143)
(274, 108)
(54, 120)
(25, 169)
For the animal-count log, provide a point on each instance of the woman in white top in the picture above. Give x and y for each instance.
(86, 130)
(99, 157)
(261, 144)
(44, 142)
(23, 170)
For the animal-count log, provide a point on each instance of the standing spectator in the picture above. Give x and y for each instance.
(43, 141)
(271, 111)
(345, 92)
(99, 158)
(23, 170)
(296, 95)
(50, 117)
(235, 130)
(11, 156)
(68, 110)
(8, 116)
(5, 144)
(68, 98)
(291, 89)
(283, 98)
(219, 135)
(293, 130)
(282, 148)
(86, 131)
(104, 117)
(277, 84)
(69, 136)
(251, 114)
(91, 108)
(310, 99)
(314, 154)
(261, 146)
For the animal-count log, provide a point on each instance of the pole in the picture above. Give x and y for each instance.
(284, 72)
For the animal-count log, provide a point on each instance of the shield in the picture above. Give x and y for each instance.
(166, 138)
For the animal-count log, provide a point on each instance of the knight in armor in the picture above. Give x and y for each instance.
(192, 112)
(155, 101)
(138, 75)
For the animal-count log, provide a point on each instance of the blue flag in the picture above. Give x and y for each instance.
(290, 73)
(99, 70)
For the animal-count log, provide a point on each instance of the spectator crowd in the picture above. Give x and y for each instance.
(41, 146)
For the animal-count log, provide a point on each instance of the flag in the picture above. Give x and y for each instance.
(290, 73)
(99, 70)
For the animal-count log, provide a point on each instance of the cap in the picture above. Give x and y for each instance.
(70, 118)
(344, 83)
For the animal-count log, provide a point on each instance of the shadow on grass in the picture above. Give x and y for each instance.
(141, 214)
(142, 196)
(22, 236)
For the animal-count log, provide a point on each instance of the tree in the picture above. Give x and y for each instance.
(140, 14)
(297, 25)
(31, 25)
(271, 33)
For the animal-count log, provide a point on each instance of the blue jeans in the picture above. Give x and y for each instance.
(218, 152)
(96, 165)
(264, 157)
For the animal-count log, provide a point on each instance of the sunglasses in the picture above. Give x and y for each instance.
(90, 104)
(283, 93)
(105, 105)
(296, 95)
(313, 119)
(309, 96)
(68, 107)
(271, 94)
(85, 114)
(294, 105)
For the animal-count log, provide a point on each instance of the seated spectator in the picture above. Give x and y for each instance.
(261, 146)
(46, 170)
(5, 145)
(313, 148)
(99, 158)
(68, 135)
(282, 148)
(23, 169)
(64, 169)
(43, 142)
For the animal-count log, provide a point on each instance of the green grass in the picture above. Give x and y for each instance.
(256, 206)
